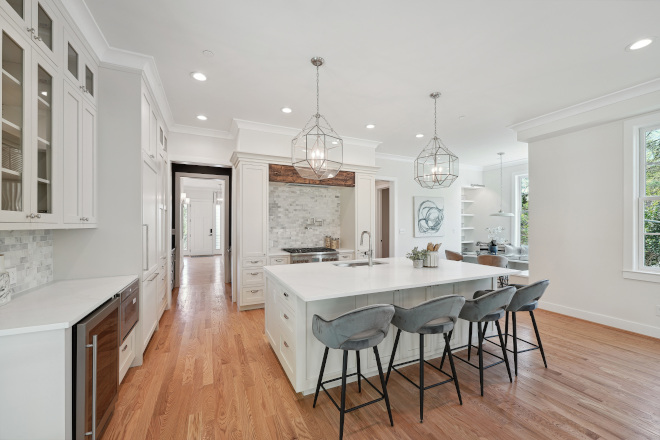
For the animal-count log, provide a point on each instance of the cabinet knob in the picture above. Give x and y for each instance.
(37, 37)
(32, 216)
(124, 349)
(286, 294)
(30, 30)
(286, 345)
(285, 316)
(38, 216)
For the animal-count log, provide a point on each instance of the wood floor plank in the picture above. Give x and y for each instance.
(209, 373)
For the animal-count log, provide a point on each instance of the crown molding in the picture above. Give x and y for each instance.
(590, 105)
(394, 157)
(511, 163)
(198, 131)
(242, 124)
(239, 156)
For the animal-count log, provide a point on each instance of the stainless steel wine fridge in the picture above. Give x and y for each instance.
(96, 370)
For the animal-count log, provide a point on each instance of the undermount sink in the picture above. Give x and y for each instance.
(356, 264)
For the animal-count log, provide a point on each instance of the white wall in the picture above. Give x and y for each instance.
(487, 201)
(193, 148)
(576, 223)
(405, 188)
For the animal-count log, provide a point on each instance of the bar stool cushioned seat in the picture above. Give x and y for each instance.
(356, 330)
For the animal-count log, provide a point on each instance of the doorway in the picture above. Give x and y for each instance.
(383, 242)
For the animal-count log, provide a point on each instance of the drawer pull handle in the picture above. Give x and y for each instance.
(286, 317)
(124, 349)
(286, 345)
(286, 294)
(253, 291)
(254, 261)
(254, 273)
(279, 260)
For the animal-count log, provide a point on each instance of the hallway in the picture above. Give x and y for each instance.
(209, 373)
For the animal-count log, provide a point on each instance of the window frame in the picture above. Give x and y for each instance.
(517, 179)
(634, 176)
(642, 198)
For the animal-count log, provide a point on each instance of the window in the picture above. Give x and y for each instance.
(522, 210)
(649, 198)
(184, 225)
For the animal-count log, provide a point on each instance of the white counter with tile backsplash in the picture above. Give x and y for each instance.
(31, 253)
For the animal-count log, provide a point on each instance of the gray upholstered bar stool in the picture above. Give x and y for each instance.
(433, 317)
(526, 299)
(482, 310)
(356, 330)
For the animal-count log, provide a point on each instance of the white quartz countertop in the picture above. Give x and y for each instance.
(58, 305)
(318, 281)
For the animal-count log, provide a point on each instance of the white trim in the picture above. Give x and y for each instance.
(631, 184)
(238, 156)
(395, 157)
(651, 277)
(290, 131)
(511, 163)
(587, 106)
(517, 199)
(199, 131)
(394, 236)
(611, 321)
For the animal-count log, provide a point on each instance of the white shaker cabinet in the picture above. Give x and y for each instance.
(150, 183)
(365, 202)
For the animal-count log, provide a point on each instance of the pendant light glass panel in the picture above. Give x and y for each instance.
(317, 152)
(501, 213)
(436, 166)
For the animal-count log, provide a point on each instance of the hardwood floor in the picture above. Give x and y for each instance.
(209, 373)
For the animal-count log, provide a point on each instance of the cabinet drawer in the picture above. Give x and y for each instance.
(253, 276)
(346, 256)
(287, 319)
(254, 262)
(126, 354)
(275, 261)
(286, 298)
(252, 295)
(287, 350)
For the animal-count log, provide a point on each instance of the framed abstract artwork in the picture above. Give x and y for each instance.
(429, 216)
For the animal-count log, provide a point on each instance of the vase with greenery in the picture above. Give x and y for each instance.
(417, 256)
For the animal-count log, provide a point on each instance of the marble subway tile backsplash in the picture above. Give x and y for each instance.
(290, 209)
(31, 253)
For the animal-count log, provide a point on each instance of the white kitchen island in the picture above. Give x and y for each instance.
(295, 293)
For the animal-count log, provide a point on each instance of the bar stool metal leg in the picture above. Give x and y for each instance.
(453, 370)
(384, 385)
(396, 343)
(481, 358)
(506, 358)
(538, 338)
(359, 375)
(342, 409)
(515, 342)
(421, 378)
(470, 340)
(506, 329)
(318, 385)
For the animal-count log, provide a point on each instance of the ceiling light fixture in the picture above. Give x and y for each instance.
(370, 126)
(436, 166)
(640, 44)
(202, 117)
(199, 76)
(420, 135)
(317, 151)
(286, 110)
(501, 213)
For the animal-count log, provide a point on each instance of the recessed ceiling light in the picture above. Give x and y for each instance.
(286, 110)
(207, 53)
(370, 126)
(199, 76)
(44, 93)
(202, 117)
(419, 135)
(640, 44)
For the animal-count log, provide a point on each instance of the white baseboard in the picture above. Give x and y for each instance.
(611, 321)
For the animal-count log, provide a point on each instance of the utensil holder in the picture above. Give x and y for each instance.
(431, 259)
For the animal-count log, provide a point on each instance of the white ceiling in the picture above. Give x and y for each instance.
(193, 183)
(496, 62)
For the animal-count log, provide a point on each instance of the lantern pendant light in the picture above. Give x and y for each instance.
(501, 213)
(436, 166)
(317, 151)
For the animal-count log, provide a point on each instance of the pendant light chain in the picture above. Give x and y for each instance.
(501, 186)
(318, 114)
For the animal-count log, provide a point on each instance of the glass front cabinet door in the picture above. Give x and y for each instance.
(15, 126)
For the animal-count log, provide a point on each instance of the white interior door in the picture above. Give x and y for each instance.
(200, 240)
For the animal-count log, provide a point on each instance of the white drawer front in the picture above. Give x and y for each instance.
(287, 319)
(275, 261)
(126, 354)
(254, 262)
(346, 256)
(287, 352)
(252, 295)
(286, 298)
(253, 276)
